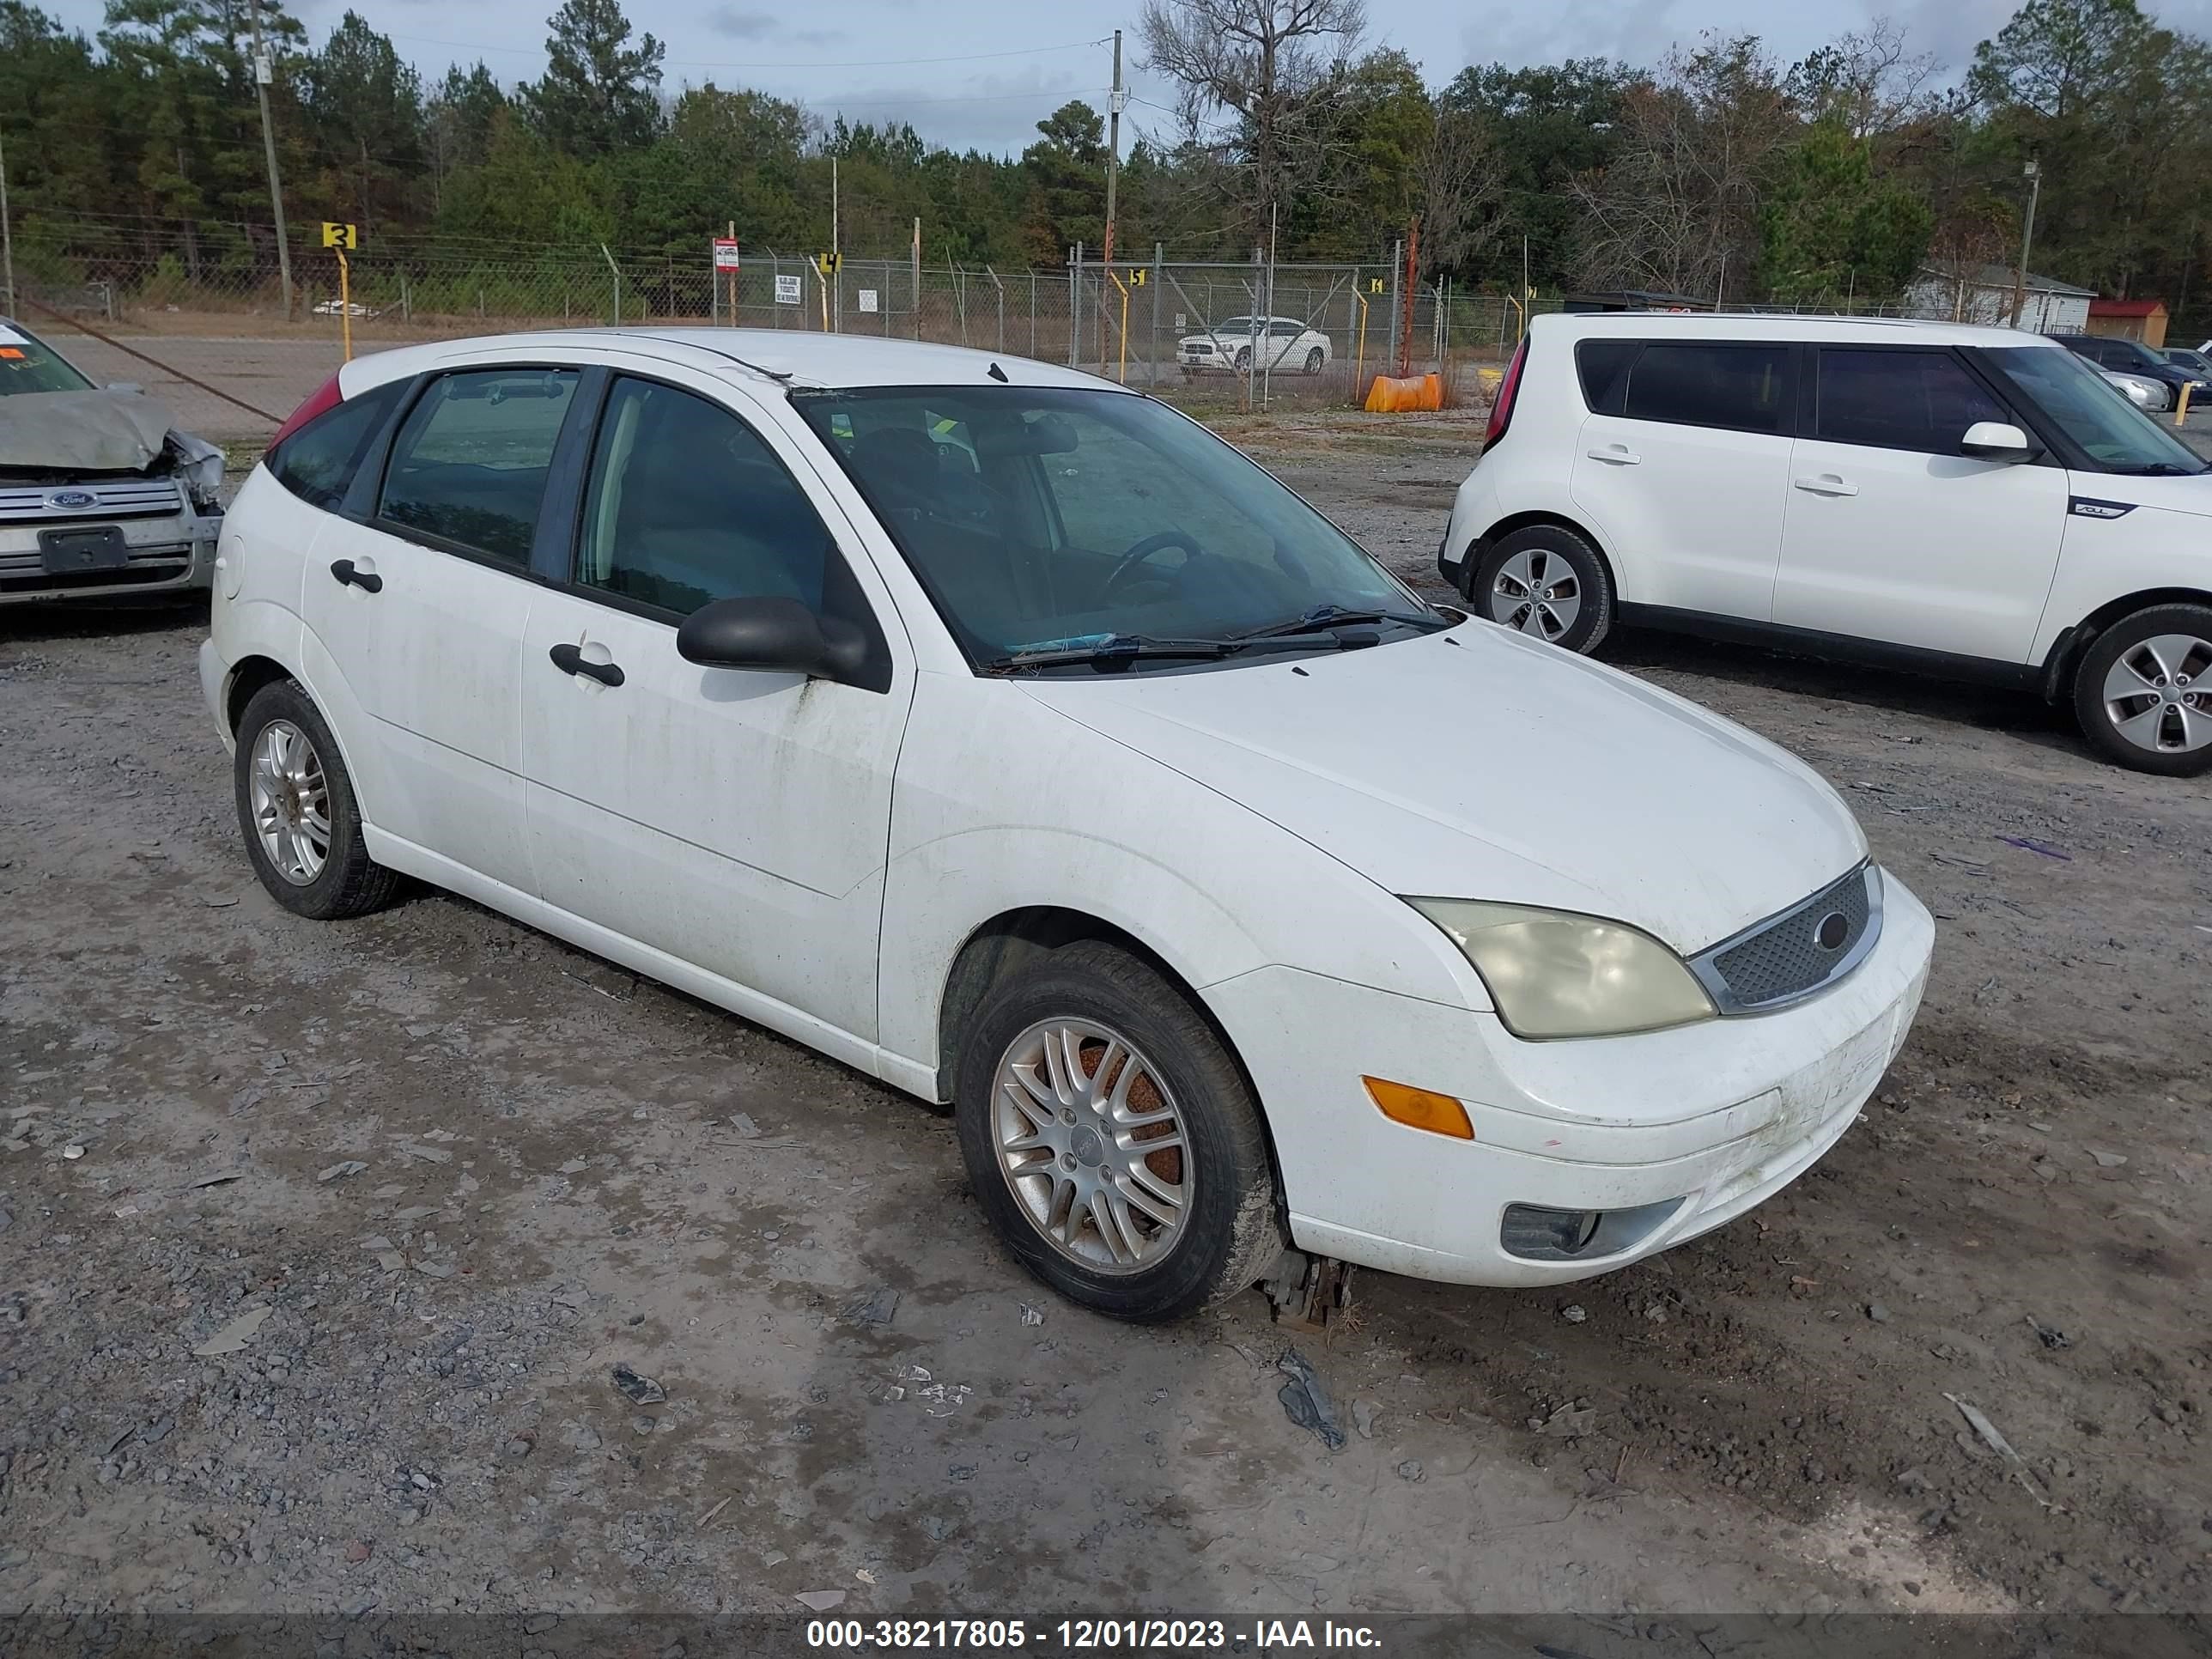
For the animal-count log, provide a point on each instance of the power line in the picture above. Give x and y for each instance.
(759, 63)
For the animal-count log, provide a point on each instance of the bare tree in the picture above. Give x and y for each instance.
(1254, 76)
(1869, 80)
(1679, 207)
(1459, 180)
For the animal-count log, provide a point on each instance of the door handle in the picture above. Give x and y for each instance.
(1616, 455)
(367, 580)
(1827, 484)
(569, 659)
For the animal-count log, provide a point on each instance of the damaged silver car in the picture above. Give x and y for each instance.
(98, 494)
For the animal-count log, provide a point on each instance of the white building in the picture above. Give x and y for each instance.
(1984, 294)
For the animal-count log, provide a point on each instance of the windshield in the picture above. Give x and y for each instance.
(2096, 415)
(26, 366)
(1054, 519)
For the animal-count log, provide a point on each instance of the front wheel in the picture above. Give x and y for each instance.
(2142, 691)
(1314, 359)
(1547, 582)
(1112, 1141)
(1243, 359)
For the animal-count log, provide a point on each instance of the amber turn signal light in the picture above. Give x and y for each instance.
(1418, 1109)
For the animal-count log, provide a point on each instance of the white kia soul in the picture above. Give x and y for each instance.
(1008, 736)
(1971, 502)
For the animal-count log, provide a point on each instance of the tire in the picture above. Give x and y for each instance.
(2146, 668)
(1242, 361)
(1579, 613)
(345, 881)
(1099, 996)
(1314, 359)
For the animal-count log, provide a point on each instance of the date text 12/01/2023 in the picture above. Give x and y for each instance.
(1092, 1635)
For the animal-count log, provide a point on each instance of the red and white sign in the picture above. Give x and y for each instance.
(725, 254)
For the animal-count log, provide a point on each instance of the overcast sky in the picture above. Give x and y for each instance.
(968, 72)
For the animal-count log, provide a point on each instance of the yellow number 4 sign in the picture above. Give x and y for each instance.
(1374, 284)
(827, 264)
(336, 235)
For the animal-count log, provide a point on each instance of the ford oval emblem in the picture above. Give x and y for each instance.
(72, 500)
(1832, 929)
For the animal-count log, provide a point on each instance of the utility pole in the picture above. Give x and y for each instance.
(2034, 172)
(7, 239)
(1114, 102)
(263, 71)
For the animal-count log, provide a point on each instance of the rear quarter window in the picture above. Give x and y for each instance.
(318, 462)
(1602, 367)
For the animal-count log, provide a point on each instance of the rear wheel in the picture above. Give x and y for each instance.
(297, 812)
(1111, 1140)
(2143, 690)
(1544, 581)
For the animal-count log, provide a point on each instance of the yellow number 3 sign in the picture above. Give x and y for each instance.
(336, 235)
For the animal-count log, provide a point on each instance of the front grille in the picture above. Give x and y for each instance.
(23, 573)
(1796, 953)
(132, 498)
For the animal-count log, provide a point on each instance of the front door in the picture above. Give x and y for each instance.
(1892, 534)
(737, 821)
(1685, 484)
(422, 608)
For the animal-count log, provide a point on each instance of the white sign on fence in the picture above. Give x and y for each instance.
(725, 254)
(1181, 322)
(786, 291)
(867, 299)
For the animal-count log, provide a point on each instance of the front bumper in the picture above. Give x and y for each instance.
(1712, 1118)
(170, 555)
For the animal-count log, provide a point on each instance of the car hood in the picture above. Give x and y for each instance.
(1475, 763)
(92, 432)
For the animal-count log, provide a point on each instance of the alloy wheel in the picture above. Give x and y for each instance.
(1093, 1145)
(2158, 694)
(290, 800)
(1536, 592)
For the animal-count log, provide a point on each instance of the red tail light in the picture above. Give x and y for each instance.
(1501, 412)
(324, 396)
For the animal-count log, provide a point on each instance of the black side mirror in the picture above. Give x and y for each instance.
(777, 635)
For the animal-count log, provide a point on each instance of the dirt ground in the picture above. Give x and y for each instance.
(458, 1172)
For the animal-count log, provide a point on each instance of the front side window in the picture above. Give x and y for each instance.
(1916, 400)
(686, 505)
(470, 464)
(1043, 517)
(1697, 383)
(26, 365)
(2111, 432)
(318, 462)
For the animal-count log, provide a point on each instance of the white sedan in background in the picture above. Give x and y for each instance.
(2150, 396)
(1278, 343)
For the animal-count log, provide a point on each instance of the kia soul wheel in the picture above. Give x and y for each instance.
(1547, 582)
(1111, 1140)
(2143, 690)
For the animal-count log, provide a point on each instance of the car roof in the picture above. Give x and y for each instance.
(797, 356)
(1769, 325)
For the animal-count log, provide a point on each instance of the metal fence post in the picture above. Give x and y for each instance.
(1032, 313)
(1397, 276)
(1074, 303)
(1152, 357)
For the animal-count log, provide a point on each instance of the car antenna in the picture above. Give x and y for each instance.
(997, 374)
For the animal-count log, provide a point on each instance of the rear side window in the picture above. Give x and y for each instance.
(470, 464)
(1603, 367)
(1697, 383)
(1916, 400)
(318, 462)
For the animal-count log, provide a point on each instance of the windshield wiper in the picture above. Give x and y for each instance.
(1323, 617)
(1104, 652)
(2157, 469)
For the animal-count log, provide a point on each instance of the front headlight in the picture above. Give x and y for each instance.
(1555, 974)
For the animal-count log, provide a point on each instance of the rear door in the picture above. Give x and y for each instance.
(1892, 534)
(420, 605)
(1682, 467)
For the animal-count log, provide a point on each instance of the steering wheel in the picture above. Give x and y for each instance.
(1144, 549)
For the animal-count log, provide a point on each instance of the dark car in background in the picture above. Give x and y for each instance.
(2133, 357)
(2196, 363)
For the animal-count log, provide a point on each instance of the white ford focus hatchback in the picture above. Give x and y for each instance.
(1008, 736)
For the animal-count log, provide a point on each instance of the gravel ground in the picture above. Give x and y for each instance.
(319, 1245)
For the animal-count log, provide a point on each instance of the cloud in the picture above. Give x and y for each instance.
(763, 27)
